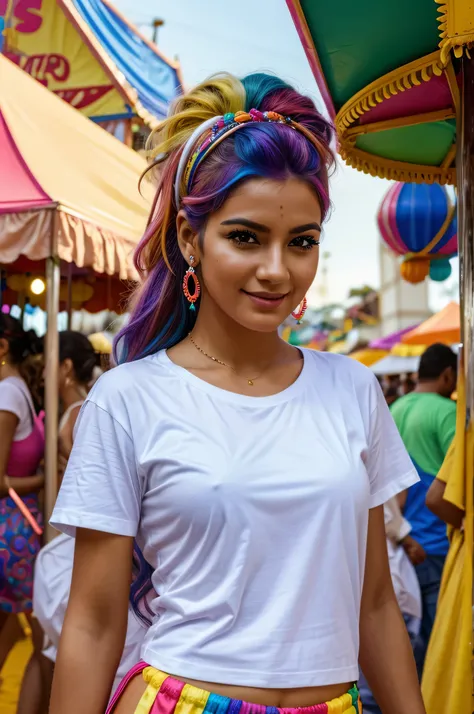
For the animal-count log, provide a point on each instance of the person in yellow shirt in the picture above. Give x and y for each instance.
(448, 512)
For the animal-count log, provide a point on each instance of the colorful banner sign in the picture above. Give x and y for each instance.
(41, 39)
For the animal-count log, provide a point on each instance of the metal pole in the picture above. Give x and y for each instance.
(51, 383)
(156, 23)
(465, 181)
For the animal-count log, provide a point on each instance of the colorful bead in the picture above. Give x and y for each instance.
(256, 115)
(227, 123)
(242, 117)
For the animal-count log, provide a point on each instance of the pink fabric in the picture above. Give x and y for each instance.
(19, 189)
(316, 709)
(137, 669)
(169, 695)
(427, 97)
(25, 455)
(247, 708)
(386, 343)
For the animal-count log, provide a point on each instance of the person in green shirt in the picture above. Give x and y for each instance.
(426, 420)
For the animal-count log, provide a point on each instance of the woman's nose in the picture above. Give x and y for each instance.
(273, 267)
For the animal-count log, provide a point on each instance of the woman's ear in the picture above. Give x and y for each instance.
(3, 347)
(188, 239)
(67, 368)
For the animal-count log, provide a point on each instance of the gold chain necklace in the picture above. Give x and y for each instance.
(250, 382)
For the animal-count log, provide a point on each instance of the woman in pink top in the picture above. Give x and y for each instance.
(21, 452)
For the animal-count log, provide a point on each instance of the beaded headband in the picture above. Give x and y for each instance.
(219, 128)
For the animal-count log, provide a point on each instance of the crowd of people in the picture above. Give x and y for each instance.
(21, 457)
(227, 500)
(416, 523)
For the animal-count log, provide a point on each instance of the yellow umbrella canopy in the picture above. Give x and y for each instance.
(368, 356)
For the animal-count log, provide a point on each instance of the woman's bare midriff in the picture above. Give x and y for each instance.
(301, 697)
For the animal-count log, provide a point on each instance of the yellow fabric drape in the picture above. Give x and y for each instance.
(447, 677)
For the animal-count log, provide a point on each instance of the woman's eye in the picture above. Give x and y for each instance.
(305, 242)
(241, 237)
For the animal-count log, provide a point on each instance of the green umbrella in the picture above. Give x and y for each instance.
(392, 91)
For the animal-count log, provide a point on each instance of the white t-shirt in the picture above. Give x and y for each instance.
(52, 583)
(252, 512)
(15, 398)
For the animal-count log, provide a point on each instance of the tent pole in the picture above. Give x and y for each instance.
(465, 181)
(51, 380)
(128, 138)
(69, 296)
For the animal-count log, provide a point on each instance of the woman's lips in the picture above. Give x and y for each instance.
(268, 301)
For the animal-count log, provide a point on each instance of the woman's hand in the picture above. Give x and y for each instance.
(413, 549)
(95, 626)
(386, 655)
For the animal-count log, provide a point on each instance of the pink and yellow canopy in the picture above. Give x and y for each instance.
(66, 186)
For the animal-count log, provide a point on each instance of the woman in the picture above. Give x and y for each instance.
(252, 474)
(77, 360)
(21, 452)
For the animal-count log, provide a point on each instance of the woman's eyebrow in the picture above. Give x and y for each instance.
(245, 222)
(306, 227)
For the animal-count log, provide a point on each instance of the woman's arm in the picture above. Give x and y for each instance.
(8, 425)
(448, 512)
(95, 625)
(386, 656)
(23, 486)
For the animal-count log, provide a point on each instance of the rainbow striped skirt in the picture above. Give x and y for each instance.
(166, 695)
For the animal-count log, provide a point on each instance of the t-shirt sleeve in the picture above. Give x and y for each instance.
(101, 489)
(13, 400)
(448, 465)
(388, 464)
(446, 425)
(396, 526)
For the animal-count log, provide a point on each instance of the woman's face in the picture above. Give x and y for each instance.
(260, 252)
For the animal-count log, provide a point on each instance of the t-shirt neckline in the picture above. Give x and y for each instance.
(285, 395)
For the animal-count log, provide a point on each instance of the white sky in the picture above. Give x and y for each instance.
(245, 36)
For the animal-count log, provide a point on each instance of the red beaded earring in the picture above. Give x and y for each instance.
(197, 287)
(300, 311)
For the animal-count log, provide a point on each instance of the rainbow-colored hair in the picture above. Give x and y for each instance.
(159, 314)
